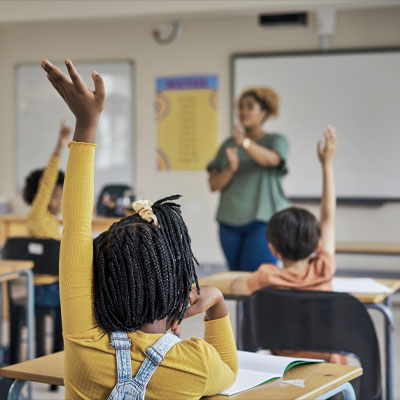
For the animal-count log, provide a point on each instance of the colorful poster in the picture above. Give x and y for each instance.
(187, 122)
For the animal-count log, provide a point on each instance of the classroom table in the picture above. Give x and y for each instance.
(320, 379)
(369, 248)
(378, 301)
(12, 225)
(13, 269)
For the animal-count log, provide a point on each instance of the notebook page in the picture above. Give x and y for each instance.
(247, 379)
(359, 285)
(255, 369)
(275, 365)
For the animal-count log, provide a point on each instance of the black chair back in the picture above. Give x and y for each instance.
(314, 321)
(115, 191)
(43, 252)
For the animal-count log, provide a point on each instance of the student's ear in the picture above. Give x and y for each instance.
(273, 250)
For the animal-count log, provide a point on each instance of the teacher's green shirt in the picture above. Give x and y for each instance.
(254, 192)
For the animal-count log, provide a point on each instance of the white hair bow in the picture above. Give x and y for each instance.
(144, 209)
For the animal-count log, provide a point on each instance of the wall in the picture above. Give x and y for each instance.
(204, 47)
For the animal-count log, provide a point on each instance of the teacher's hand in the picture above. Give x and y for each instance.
(238, 134)
(233, 158)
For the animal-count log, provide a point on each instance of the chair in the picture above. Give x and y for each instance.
(314, 321)
(45, 255)
(115, 191)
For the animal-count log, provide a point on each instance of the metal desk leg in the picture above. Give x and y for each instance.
(386, 310)
(1, 324)
(30, 310)
(239, 318)
(346, 389)
(15, 390)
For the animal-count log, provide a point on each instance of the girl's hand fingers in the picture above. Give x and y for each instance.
(99, 90)
(55, 73)
(76, 79)
(192, 310)
(56, 86)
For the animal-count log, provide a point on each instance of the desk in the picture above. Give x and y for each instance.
(16, 225)
(378, 301)
(11, 269)
(320, 378)
(369, 248)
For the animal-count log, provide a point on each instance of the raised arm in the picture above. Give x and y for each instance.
(326, 155)
(49, 177)
(63, 136)
(76, 256)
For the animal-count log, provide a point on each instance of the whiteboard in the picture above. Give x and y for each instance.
(357, 92)
(40, 110)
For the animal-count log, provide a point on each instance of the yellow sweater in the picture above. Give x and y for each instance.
(191, 369)
(42, 224)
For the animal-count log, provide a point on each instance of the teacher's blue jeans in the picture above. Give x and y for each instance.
(245, 247)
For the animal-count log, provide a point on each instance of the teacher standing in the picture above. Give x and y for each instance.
(248, 171)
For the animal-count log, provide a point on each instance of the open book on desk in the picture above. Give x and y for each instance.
(256, 369)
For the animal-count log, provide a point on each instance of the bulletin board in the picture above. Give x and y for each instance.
(187, 122)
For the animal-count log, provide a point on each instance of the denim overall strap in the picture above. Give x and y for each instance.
(122, 345)
(154, 357)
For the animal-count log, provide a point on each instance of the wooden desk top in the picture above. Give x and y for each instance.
(10, 266)
(223, 280)
(377, 248)
(319, 378)
(23, 218)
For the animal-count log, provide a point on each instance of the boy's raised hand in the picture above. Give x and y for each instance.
(84, 103)
(326, 153)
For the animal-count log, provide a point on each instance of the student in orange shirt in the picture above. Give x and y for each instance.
(305, 247)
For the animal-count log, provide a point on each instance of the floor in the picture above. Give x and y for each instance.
(194, 327)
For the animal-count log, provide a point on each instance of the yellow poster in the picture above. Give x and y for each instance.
(187, 122)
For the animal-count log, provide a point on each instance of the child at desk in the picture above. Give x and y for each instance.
(43, 192)
(130, 286)
(305, 247)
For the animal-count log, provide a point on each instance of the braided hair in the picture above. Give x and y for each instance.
(141, 272)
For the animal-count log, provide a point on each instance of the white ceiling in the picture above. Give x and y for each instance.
(57, 10)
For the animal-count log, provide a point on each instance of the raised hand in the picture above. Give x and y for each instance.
(326, 153)
(84, 103)
(63, 136)
(233, 158)
(65, 133)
